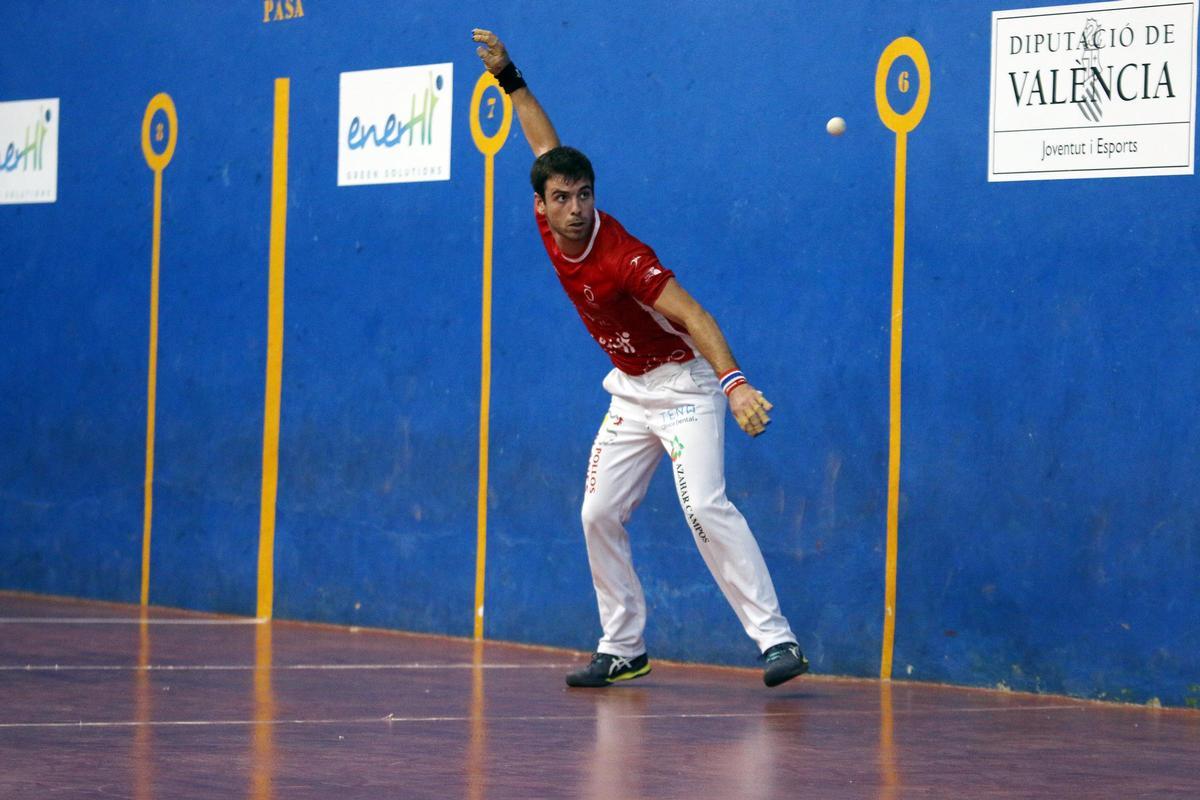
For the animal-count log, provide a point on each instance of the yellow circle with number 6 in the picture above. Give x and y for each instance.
(904, 46)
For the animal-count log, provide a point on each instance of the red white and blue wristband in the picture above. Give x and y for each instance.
(731, 379)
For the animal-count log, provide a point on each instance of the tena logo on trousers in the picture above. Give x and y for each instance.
(394, 125)
(29, 151)
(1096, 90)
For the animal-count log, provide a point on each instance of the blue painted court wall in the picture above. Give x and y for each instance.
(1050, 497)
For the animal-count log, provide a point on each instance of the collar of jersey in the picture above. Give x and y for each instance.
(592, 241)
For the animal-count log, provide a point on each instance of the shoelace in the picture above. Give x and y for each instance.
(778, 654)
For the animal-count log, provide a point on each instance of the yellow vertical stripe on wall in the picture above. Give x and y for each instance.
(485, 396)
(901, 125)
(166, 133)
(489, 146)
(151, 390)
(270, 458)
(893, 508)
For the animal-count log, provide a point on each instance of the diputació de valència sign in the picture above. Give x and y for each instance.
(29, 151)
(1100, 90)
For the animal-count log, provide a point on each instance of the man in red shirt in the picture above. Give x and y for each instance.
(673, 372)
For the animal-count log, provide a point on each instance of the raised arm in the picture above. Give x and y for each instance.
(539, 132)
(746, 403)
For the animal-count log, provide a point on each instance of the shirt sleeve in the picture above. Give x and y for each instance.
(642, 275)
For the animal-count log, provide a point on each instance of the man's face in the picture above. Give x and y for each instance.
(569, 207)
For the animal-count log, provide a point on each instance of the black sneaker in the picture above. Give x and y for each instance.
(606, 669)
(784, 662)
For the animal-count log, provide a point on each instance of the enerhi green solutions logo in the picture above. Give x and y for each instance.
(394, 125)
(29, 151)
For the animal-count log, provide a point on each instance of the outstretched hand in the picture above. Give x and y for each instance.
(750, 409)
(492, 53)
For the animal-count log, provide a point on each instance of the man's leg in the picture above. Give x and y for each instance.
(693, 434)
(621, 462)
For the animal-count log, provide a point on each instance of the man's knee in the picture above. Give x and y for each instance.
(597, 515)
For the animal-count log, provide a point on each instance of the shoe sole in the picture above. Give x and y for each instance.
(628, 676)
(772, 684)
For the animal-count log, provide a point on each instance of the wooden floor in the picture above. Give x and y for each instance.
(96, 703)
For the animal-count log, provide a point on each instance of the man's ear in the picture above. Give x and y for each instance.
(539, 205)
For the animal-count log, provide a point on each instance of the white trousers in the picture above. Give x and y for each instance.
(678, 408)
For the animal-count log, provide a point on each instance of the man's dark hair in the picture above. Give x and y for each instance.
(566, 162)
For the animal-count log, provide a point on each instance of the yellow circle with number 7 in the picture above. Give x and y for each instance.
(489, 145)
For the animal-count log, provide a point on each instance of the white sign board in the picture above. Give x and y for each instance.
(1098, 90)
(394, 125)
(29, 151)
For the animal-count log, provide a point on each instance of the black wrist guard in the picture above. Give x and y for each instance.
(510, 78)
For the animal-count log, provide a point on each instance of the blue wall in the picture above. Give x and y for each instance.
(1050, 508)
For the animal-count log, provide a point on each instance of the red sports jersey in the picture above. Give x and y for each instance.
(614, 285)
